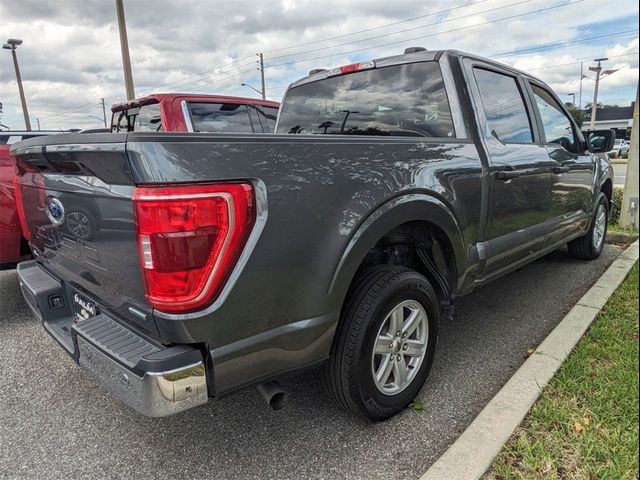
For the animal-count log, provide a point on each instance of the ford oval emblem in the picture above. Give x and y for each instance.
(55, 211)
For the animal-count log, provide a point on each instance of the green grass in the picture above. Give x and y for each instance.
(585, 424)
(617, 228)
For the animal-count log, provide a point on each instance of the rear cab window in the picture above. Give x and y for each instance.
(267, 117)
(399, 100)
(221, 118)
(145, 118)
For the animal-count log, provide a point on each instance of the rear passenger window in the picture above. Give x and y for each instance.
(504, 107)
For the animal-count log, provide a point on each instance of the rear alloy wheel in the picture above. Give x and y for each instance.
(400, 347)
(385, 342)
(590, 246)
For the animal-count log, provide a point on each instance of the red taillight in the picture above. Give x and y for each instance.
(189, 239)
(20, 207)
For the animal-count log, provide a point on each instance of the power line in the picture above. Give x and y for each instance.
(510, 17)
(180, 82)
(375, 28)
(78, 110)
(515, 52)
(560, 44)
(225, 74)
(578, 61)
(405, 30)
(217, 81)
(210, 71)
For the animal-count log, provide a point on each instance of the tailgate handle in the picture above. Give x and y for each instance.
(560, 169)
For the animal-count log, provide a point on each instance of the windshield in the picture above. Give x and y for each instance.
(145, 118)
(400, 100)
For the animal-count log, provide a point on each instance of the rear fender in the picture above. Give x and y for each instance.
(395, 212)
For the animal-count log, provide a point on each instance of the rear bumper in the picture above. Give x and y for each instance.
(155, 380)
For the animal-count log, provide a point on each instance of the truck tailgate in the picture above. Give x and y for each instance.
(76, 192)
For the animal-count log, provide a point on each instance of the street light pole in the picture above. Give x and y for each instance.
(12, 44)
(124, 48)
(594, 106)
(252, 88)
(573, 96)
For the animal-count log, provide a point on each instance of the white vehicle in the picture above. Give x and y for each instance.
(620, 147)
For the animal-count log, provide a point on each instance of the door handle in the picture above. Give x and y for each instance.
(560, 170)
(507, 174)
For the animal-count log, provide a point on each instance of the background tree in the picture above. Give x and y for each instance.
(576, 113)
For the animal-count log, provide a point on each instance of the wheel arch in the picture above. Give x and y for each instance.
(416, 212)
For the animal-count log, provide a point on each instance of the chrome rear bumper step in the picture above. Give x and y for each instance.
(153, 379)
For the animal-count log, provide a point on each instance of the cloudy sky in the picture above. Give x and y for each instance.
(70, 57)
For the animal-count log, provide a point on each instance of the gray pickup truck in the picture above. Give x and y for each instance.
(390, 189)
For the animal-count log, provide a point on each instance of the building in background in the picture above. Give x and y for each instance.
(618, 118)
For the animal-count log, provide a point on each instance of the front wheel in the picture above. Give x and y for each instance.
(385, 342)
(589, 246)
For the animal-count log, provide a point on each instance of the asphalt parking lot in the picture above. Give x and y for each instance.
(56, 423)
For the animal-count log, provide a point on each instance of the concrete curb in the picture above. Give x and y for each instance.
(473, 452)
(621, 237)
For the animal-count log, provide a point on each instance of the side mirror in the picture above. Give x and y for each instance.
(600, 141)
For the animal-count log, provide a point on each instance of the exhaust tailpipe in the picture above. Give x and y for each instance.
(273, 394)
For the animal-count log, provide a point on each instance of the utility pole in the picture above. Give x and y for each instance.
(594, 106)
(12, 44)
(104, 113)
(38, 122)
(261, 68)
(581, 77)
(124, 47)
(630, 198)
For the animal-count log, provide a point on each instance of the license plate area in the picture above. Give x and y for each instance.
(83, 308)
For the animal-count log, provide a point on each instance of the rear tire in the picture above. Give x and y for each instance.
(379, 385)
(590, 246)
